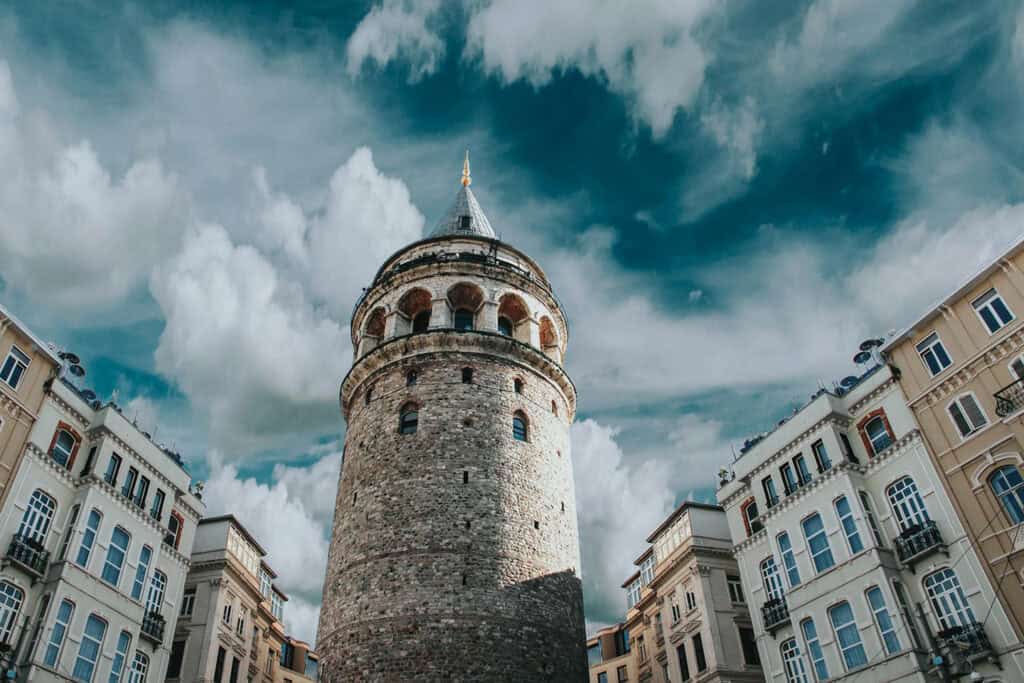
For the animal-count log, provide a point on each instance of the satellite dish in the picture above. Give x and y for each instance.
(77, 370)
(869, 344)
(89, 395)
(862, 357)
(71, 358)
(848, 381)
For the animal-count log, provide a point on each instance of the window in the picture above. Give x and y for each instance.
(814, 649)
(188, 602)
(698, 653)
(967, 415)
(845, 514)
(749, 511)
(92, 528)
(992, 310)
(622, 675)
(87, 467)
(621, 642)
(129, 482)
(113, 467)
(803, 474)
(177, 655)
(789, 482)
(789, 559)
(68, 531)
(1017, 368)
(676, 612)
(240, 623)
(933, 354)
(157, 511)
(848, 448)
(1008, 486)
(89, 649)
(226, 615)
(174, 526)
(684, 666)
(505, 326)
(264, 583)
(821, 456)
(60, 629)
(817, 542)
(10, 604)
(593, 655)
(218, 668)
(421, 322)
(124, 641)
(141, 491)
(63, 447)
(410, 378)
(878, 434)
(748, 643)
(368, 396)
(141, 569)
(155, 597)
(847, 635)
(907, 503)
(467, 375)
(35, 523)
(948, 599)
(632, 594)
(901, 599)
(882, 620)
(771, 496)
(268, 667)
(463, 319)
(14, 367)
(517, 385)
(44, 607)
(277, 606)
(770, 577)
(691, 600)
(118, 548)
(646, 568)
(793, 662)
(602, 677)
(409, 419)
(641, 647)
(519, 430)
(869, 512)
(735, 589)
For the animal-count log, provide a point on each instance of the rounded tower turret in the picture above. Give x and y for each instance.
(455, 551)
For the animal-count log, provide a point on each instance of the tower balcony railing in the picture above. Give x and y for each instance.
(29, 554)
(1010, 398)
(918, 542)
(775, 614)
(153, 624)
(969, 641)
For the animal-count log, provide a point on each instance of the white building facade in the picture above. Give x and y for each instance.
(96, 532)
(855, 564)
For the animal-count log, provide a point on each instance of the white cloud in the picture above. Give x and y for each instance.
(288, 523)
(76, 236)
(397, 29)
(737, 130)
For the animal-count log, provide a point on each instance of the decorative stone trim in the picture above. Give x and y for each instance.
(1000, 350)
(873, 395)
(101, 431)
(838, 419)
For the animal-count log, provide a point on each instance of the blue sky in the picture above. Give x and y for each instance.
(727, 197)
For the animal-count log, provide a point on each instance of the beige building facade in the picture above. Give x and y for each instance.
(961, 366)
(230, 627)
(609, 656)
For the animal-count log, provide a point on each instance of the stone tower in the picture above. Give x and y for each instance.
(455, 553)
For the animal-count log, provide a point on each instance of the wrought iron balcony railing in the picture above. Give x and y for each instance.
(969, 641)
(918, 542)
(29, 554)
(153, 624)
(775, 614)
(1010, 398)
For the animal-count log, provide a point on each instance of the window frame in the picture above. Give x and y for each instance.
(851, 624)
(880, 613)
(38, 517)
(120, 656)
(789, 564)
(111, 561)
(821, 459)
(58, 638)
(819, 667)
(520, 426)
(792, 661)
(983, 303)
(82, 657)
(20, 365)
(907, 517)
(949, 616)
(141, 572)
(869, 513)
(408, 419)
(964, 414)
(1012, 498)
(827, 550)
(770, 579)
(886, 433)
(848, 523)
(11, 602)
(91, 532)
(927, 347)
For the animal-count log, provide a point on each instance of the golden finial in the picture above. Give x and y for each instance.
(467, 180)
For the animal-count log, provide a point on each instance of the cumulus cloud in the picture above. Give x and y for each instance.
(737, 130)
(288, 524)
(77, 236)
(397, 29)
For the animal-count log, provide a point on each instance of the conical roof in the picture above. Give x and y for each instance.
(465, 217)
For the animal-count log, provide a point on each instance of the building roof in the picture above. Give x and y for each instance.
(42, 346)
(679, 511)
(465, 217)
(238, 525)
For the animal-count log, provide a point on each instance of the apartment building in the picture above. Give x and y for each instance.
(97, 529)
(609, 657)
(852, 553)
(230, 626)
(961, 366)
(28, 364)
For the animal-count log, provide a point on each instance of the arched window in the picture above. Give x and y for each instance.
(35, 523)
(89, 648)
(517, 385)
(770, 578)
(463, 319)
(140, 666)
(409, 418)
(948, 599)
(116, 550)
(793, 662)
(421, 322)
(847, 635)
(10, 603)
(1008, 486)
(92, 528)
(63, 447)
(410, 378)
(155, 597)
(878, 434)
(505, 326)
(907, 503)
(519, 426)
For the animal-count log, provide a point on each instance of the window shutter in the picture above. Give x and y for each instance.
(958, 419)
(973, 411)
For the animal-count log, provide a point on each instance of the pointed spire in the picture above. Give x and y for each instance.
(467, 180)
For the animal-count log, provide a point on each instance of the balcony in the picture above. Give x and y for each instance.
(28, 554)
(775, 614)
(918, 542)
(1010, 398)
(153, 627)
(968, 641)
